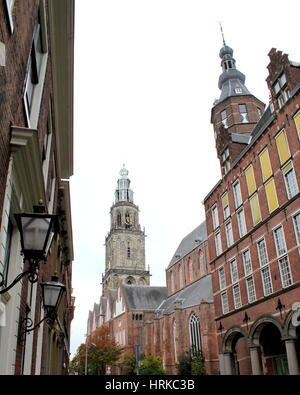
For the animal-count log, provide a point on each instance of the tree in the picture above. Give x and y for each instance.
(99, 352)
(151, 365)
(191, 363)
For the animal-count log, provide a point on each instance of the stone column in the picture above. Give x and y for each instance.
(227, 363)
(221, 364)
(292, 356)
(255, 361)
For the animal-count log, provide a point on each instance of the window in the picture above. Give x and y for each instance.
(218, 243)
(175, 340)
(225, 160)
(237, 296)
(128, 250)
(238, 90)
(265, 165)
(255, 209)
(7, 251)
(279, 241)
(229, 235)
(250, 179)
(195, 337)
(297, 227)
(266, 279)
(36, 70)
(224, 302)
(224, 118)
(222, 279)
(297, 122)
(9, 8)
(241, 222)
(243, 113)
(234, 271)
(172, 281)
(250, 289)
(281, 91)
(259, 112)
(262, 252)
(119, 219)
(225, 205)
(290, 180)
(247, 262)
(271, 195)
(237, 194)
(282, 147)
(215, 217)
(285, 272)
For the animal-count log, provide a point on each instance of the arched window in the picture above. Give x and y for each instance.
(127, 220)
(119, 219)
(195, 338)
(175, 340)
(172, 281)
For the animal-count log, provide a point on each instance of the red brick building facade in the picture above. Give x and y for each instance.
(253, 221)
(36, 163)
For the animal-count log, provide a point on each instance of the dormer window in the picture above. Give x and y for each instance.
(224, 118)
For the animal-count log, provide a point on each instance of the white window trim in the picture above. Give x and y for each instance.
(234, 194)
(258, 253)
(242, 226)
(285, 180)
(243, 251)
(229, 242)
(231, 271)
(280, 270)
(247, 288)
(222, 304)
(220, 280)
(236, 286)
(295, 229)
(276, 244)
(215, 219)
(264, 268)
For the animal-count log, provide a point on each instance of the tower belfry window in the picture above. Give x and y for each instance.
(224, 118)
(243, 113)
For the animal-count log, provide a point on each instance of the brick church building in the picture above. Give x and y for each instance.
(233, 284)
(253, 221)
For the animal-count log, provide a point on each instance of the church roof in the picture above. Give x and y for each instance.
(189, 243)
(143, 297)
(193, 295)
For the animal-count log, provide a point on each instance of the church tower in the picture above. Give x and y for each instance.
(235, 113)
(125, 243)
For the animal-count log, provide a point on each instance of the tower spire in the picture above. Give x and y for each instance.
(221, 28)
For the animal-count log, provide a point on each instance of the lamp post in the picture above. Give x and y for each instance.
(36, 233)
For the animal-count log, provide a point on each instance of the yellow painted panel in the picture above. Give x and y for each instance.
(282, 147)
(265, 164)
(225, 200)
(250, 180)
(255, 209)
(297, 122)
(271, 195)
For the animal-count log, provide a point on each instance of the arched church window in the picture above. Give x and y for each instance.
(119, 219)
(175, 340)
(195, 338)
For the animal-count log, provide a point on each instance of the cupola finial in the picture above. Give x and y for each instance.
(221, 28)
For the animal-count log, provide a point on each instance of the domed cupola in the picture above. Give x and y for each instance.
(123, 192)
(231, 81)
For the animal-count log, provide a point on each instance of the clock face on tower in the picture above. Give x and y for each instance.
(127, 219)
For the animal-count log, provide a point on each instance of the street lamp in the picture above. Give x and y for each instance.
(52, 292)
(36, 232)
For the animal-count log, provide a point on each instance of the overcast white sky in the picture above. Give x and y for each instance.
(146, 77)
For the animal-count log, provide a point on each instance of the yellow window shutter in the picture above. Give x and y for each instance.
(250, 180)
(265, 164)
(255, 209)
(297, 122)
(282, 147)
(225, 200)
(271, 195)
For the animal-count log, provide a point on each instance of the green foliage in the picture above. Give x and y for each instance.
(191, 363)
(151, 365)
(129, 364)
(99, 352)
